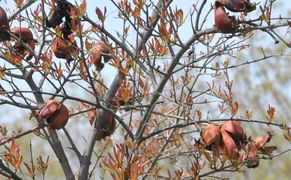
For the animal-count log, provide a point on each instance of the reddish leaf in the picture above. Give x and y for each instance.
(266, 14)
(234, 107)
(179, 15)
(92, 116)
(199, 114)
(249, 114)
(2, 73)
(271, 113)
(19, 3)
(82, 70)
(99, 14)
(30, 170)
(19, 161)
(269, 150)
(37, 132)
(83, 7)
(88, 45)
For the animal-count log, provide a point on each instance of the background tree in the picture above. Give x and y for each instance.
(140, 89)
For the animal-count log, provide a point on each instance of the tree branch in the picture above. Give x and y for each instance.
(85, 163)
(56, 143)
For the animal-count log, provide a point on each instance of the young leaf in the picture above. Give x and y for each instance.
(271, 113)
(83, 7)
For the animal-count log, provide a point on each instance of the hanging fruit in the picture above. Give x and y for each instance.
(56, 15)
(64, 49)
(4, 26)
(55, 113)
(234, 128)
(229, 146)
(211, 136)
(26, 36)
(238, 5)
(223, 22)
(99, 52)
(108, 126)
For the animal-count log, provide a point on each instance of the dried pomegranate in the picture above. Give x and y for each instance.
(55, 113)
